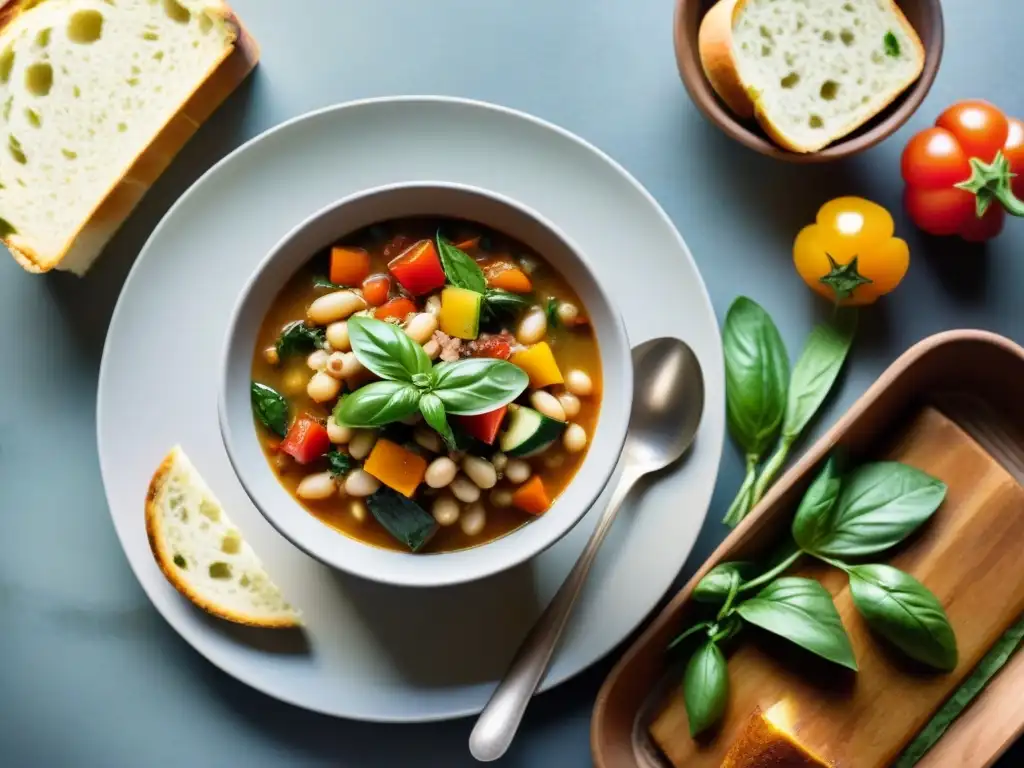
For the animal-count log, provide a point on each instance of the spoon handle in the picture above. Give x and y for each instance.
(499, 720)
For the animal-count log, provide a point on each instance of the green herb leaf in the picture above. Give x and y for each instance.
(812, 523)
(551, 312)
(377, 404)
(714, 587)
(891, 44)
(299, 339)
(801, 610)
(386, 349)
(902, 610)
(816, 370)
(879, 505)
(705, 687)
(339, 462)
(701, 626)
(460, 268)
(756, 375)
(323, 282)
(478, 384)
(270, 408)
(434, 414)
(498, 303)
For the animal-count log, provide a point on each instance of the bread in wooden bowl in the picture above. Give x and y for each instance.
(769, 741)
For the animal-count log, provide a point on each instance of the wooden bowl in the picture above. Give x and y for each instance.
(924, 15)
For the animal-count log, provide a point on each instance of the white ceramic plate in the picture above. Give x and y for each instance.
(375, 652)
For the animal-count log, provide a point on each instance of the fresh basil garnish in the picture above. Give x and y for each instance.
(434, 414)
(377, 404)
(902, 610)
(802, 611)
(715, 585)
(386, 349)
(477, 385)
(323, 282)
(811, 525)
(879, 505)
(338, 462)
(459, 267)
(500, 303)
(551, 312)
(705, 687)
(299, 339)
(271, 408)
(816, 370)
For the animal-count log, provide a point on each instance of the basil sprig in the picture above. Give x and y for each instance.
(299, 339)
(411, 382)
(270, 408)
(462, 271)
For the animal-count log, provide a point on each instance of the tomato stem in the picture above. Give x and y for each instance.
(990, 182)
(843, 278)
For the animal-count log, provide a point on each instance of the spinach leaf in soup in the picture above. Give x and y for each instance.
(271, 408)
(499, 303)
(338, 462)
(299, 339)
(551, 312)
(459, 267)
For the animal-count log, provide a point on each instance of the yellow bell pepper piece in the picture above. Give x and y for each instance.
(539, 363)
(460, 312)
(396, 467)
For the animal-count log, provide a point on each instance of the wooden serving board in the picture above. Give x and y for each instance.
(967, 554)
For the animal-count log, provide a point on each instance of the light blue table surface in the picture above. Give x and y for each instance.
(90, 675)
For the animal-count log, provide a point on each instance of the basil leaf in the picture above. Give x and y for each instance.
(323, 282)
(478, 385)
(903, 611)
(705, 687)
(801, 610)
(434, 414)
(386, 350)
(816, 370)
(270, 408)
(377, 404)
(498, 302)
(551, 312)
(299, 339)
(339, 462)
(459, 267)
(756, 375)
(879, 505)
(714, 587)
(811, 523)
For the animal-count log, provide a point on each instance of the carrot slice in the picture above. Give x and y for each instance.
(349, 266)
(532, 497)
(396, 467)
(397, 308)
(511, 279)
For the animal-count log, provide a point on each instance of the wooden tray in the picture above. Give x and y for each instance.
(974, 378)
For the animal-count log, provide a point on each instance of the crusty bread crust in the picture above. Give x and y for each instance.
(164, 558)
(110, 212)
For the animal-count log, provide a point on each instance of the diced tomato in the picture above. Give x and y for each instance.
(495, 347)
(349, 266)
(306, 441)
(484, 426)
(418, 268)
(508, 277)
(376, 289)
(397, 308)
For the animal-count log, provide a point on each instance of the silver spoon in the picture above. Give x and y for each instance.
(668, 400)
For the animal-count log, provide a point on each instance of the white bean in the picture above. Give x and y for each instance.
(441, 472)
(473, 521)
(338, 434)
(548, 405)
(480, 471)
(465, 489)
(361, 443)
(578, 383)
(358, 509)
(533, 327)
(322, 387)
(337, 336)
(427, 439)
(335, 365)
(575, 438)
(271, 356)
(316, 487)
(499, 460)
(433, 349)
(360, 483)
(433, 305)
(317, 361)
(446, 510)
(501, 497)
(351, 365)
(567, 312)
(334, 306)
(421, 327)
(570, 404)
(517, 471)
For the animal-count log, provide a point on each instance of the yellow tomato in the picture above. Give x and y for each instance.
(849, 255)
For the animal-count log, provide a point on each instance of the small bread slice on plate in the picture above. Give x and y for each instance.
(203, 554)
(809, 72)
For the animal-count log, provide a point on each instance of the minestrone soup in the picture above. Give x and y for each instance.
(426, 385)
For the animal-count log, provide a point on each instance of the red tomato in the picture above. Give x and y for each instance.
(306, 441)
(934, 158)
(418, 268)
(397, 308)
(942, 211)
(376, 289)
(484, 426)
(977, 230)
(980, 128)
(495, 347)
(1014, 151)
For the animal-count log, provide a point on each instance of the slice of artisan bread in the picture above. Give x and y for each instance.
(96, 98)
(203, 554)
(768, 741)
(811, 71)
